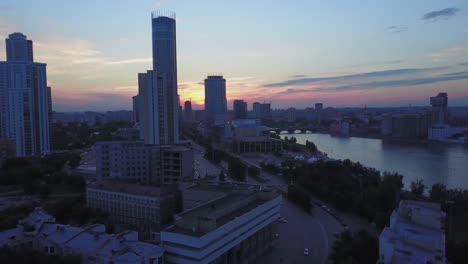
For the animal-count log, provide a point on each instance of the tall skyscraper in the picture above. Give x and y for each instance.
(158, 100)
(215, 99)
(25, 99)
(318, 112)
(240, 109)
(261, 111)
(165, 66)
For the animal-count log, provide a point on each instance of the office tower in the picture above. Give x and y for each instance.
(135, 109)
(240, 109)
(188, 114)
(440, 110)
(165, 72)
(151, 110)
(215, 99)
(25, 98)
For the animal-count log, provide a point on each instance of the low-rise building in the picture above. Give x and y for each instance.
(415, 235)
(247, 135)
(235, 228)
(136, 207)
(40, 232)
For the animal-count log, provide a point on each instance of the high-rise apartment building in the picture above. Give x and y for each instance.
(215, 99)
(240, 109)
(25, 99)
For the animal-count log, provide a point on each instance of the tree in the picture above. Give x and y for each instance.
(253, 171)
(358, 248)
(417, 187)
(438, 193)
(236, 169)
(74, 161)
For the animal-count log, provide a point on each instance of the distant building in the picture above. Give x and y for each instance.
(236, 228)
(25, 99)
(7, 149)
(318, 112)
(130, 133)
(240, 109)
(292, 114)
(415, 235)
(136, 113)
(40, 232)
(188, 113)
(411, 126)
(440, 114)
(247, 135)
(147, 164)
(261, 111)
(144, 209)
(215, 99)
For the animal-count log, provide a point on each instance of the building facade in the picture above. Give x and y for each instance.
(25, 99)
(415, 235)
(188, 113)
(215, 99)
(144, 209)
(236, 228)
(440, 114)
(137, 162)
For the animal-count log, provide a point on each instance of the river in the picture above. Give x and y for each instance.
(432, 162)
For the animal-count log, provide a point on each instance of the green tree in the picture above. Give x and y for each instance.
(417, 187)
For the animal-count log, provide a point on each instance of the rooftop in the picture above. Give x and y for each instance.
(129, 188)
(202, 219)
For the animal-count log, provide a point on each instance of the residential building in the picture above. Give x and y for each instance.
(240, 109)
(235, 228)
(318, 112)
(142, 208)
(147, 164)
(25, 99)
(40, 232)
(215, 99)
(415, 235)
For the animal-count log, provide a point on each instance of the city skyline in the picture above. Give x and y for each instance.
(341, 54)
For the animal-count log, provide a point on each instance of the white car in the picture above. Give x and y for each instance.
(306, 252)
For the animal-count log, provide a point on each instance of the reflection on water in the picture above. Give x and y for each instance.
(432, 162)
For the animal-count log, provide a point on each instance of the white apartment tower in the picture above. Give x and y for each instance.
(24, 98)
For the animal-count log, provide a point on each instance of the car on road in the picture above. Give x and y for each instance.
(306, 252)
(346, 227)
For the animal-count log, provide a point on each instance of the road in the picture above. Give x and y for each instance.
(302, 230)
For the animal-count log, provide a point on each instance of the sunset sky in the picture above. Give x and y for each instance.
(292, 53)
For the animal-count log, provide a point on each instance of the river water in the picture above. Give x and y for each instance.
(432, 162)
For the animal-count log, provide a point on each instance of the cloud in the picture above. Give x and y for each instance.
(298, 76)
(397, 28)
(466, 30)
(445, 13)
(459, 52)
(397, 83)
(294, 91)
(385, 73)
